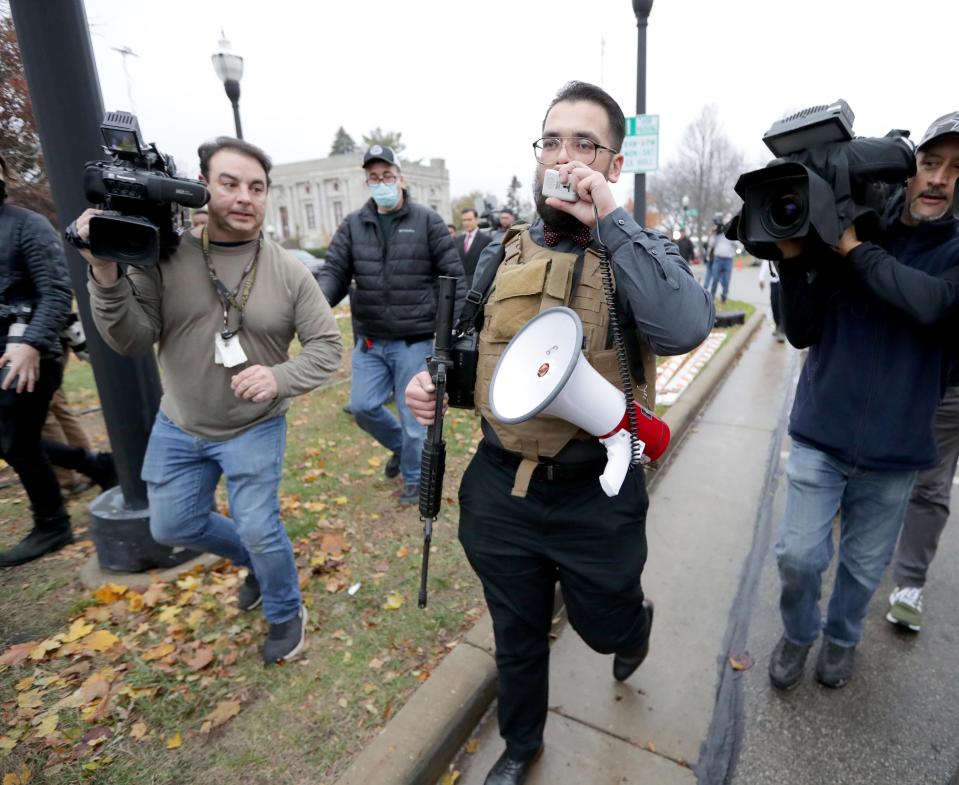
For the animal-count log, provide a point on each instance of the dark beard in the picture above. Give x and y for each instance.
(557, 220)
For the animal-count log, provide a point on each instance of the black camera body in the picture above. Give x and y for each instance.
(823, 181)
(145, 203)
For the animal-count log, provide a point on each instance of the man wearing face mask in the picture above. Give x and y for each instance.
(394, 250)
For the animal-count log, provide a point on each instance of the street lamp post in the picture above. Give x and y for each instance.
(685, 219)
(641, 8)
(229, 68)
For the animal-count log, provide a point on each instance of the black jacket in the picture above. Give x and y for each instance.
(33, 271)
(880, 325)
(470, 258)
(396, 288)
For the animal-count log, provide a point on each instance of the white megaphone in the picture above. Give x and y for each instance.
(544, 371)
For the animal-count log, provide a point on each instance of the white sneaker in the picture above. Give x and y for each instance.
(906, 607)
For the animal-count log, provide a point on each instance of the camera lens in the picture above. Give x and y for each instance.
(784, 212)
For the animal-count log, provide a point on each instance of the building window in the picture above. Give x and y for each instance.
(337, 212)
(285, 222)
(310, 217)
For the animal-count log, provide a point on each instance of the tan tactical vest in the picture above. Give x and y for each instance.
(529, 280)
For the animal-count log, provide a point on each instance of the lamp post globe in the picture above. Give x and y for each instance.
(229, 69)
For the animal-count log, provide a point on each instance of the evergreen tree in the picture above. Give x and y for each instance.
(343, 143)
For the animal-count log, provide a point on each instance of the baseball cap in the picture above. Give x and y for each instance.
(380, 152)
(946, 125)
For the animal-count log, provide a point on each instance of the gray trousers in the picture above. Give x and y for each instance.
(928, 508)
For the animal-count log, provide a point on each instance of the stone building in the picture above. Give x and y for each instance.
(309, 199)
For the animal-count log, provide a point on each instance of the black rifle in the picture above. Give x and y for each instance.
(434, 450)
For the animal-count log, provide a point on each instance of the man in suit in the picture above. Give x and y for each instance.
(471, 243)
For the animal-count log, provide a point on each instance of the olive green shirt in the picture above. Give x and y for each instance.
(175, 306)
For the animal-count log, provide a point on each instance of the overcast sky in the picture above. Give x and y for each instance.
(469, 82)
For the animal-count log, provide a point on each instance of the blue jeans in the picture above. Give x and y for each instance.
(387, 367)
(181, 472)
(871, 504)
(708, 277)
(722, 271)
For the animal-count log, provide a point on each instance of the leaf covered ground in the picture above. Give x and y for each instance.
(164, 684)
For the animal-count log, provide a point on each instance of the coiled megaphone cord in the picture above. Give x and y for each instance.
(622, 360)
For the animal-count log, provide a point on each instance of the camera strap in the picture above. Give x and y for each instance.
(238, 297)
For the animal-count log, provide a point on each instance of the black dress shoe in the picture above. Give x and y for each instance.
(507, 771)
(786, 664)
(392, 468)
(835, 664)
(626, 663)
(36, 544)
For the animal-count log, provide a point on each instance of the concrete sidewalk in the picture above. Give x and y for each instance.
(701, 528)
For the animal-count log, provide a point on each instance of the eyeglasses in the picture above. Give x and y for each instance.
(389, 178)
(547, 150)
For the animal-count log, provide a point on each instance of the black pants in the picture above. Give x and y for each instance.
(565, 530)
(21, 422)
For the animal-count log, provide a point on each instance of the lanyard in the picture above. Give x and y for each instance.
(229, 299)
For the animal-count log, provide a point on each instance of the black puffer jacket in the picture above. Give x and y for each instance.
(33, 270)
(395, 283)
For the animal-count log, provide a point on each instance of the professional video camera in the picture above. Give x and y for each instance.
(822, 181)
(145, 202)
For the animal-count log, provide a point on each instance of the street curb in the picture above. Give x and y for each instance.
(419, 741)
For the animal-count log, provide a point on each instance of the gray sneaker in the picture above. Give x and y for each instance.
(905, 607)
(835, 664)
(787, 663)
(286, 640)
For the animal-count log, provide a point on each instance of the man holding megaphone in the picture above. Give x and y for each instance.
(532, 509)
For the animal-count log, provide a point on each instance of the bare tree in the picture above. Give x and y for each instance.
(705, 170)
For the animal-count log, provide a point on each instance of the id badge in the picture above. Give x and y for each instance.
(229, 349)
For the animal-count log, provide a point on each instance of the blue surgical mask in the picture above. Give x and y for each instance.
(385, 196)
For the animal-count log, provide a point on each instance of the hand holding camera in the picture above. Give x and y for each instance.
(574, 188)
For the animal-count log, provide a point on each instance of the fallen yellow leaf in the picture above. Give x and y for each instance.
(375, 462)
(223, 712)
(79, 629)
(168, 613)
(403, 552)
(48, 725)
(17, 778)
(159, 651)
(341, 500)
(175, 741)
(342, 703)
(44, 647)
(109, 593)
(375, 664)
(394, 600)
(30, 700)
(138, 731)
(135, 601)
(24, 684)
(7, 744)
(101, 640)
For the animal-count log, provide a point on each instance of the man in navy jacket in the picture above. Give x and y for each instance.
(875, 317)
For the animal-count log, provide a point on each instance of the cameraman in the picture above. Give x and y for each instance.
(223, 310)
(877, 319)
(531, 508)
(35, 302)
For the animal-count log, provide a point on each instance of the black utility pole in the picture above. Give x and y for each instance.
(641, 8)
(65, 92)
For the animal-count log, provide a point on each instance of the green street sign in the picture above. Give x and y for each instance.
(641, 145)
